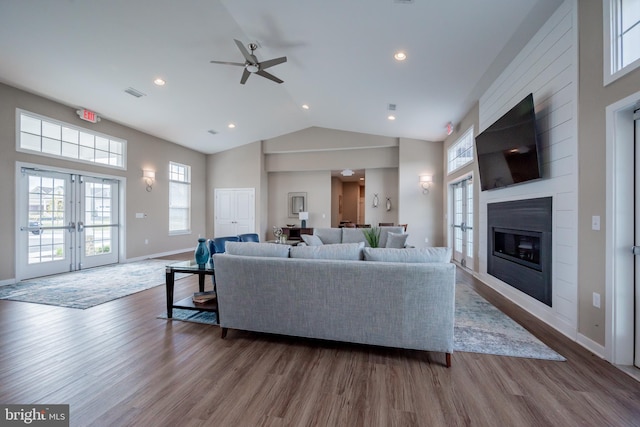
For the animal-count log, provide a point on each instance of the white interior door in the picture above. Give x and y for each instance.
(66, 222)
(234, 211)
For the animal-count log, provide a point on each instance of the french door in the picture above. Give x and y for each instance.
(462, 221)
(66, 222)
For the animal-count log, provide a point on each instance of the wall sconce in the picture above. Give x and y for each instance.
(149, 177)
(425, 183)
(303, 216)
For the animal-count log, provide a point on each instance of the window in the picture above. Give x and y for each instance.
(179, 198)
(461, 152)
(52, 138)
(621, 38)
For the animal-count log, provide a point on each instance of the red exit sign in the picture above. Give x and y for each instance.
(88, 115)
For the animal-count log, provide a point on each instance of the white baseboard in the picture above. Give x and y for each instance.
(591, 345)
(158, 255)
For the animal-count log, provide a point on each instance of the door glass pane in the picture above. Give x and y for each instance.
(46, 209)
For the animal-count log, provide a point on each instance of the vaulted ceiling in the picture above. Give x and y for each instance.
(86, 53)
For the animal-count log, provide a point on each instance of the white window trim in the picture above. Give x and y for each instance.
(609, 54)
(187, 181)
(467, 133)
(20, 111)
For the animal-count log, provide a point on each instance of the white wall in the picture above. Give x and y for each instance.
(546, 67)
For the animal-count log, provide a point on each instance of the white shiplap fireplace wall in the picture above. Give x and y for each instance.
(546, 67)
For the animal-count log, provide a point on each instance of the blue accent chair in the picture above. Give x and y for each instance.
(216, 246)
(249, 237)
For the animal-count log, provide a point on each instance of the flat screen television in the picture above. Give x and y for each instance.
(509, 151)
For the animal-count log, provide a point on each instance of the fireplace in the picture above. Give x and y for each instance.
(519, 245)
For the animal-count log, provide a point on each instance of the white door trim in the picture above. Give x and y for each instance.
(619, 273)
(121, 202)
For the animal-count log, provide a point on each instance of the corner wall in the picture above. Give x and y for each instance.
(546, 67)
(422, 212)
(143, 151)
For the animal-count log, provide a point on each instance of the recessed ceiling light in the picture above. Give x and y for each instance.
(391, 117)
(159, 82)
(305, 107)
(231, 126)
(400, 56)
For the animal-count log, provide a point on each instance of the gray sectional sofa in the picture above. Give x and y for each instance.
(393, 237)
(400, 298)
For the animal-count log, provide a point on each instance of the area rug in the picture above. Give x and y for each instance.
(479, 328)
(88, 288)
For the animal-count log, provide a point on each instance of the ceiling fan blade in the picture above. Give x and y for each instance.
(245, 76)
(245, 52)
(269, 76)
(228, 63)
(270, 63)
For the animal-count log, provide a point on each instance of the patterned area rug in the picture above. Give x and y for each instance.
(479, 328)
(90, 287)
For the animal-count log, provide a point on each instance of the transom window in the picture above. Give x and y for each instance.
(179, 198)
(460, 153)
(621, 38)
(53, 138)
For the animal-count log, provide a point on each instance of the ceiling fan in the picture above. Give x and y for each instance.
(252, 65)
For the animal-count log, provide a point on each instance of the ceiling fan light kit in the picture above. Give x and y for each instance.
(252, 65)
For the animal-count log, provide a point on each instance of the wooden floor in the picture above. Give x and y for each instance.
(117, 364)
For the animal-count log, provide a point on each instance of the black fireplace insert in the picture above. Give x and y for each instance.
(519, 245)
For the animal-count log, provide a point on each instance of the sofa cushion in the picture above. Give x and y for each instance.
(408, 255)
(276, 250)
(329, 236)
(396, 240)
(353, 235)
(384, 232)
(311, 240)
(344, 251)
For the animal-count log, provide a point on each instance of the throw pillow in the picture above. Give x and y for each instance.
(311, 240)
(340, 251)
(275, 250)
(396, 240)
(408, 255)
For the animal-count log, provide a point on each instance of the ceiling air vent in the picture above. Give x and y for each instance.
(404, 1)
(392, 107)
(134, 92)
(212, 132)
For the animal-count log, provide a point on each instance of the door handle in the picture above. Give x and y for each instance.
(80, 226)
(635, 250)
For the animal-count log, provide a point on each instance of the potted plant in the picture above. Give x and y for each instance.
(372, 235)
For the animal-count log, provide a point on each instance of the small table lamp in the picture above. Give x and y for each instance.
(304, 216)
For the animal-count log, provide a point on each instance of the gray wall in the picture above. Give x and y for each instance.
(593, 98)
(143, 151)
(241, 167)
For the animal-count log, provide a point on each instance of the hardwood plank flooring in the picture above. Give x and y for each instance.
(117, 364)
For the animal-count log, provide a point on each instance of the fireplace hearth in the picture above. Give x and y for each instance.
(519, 245)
